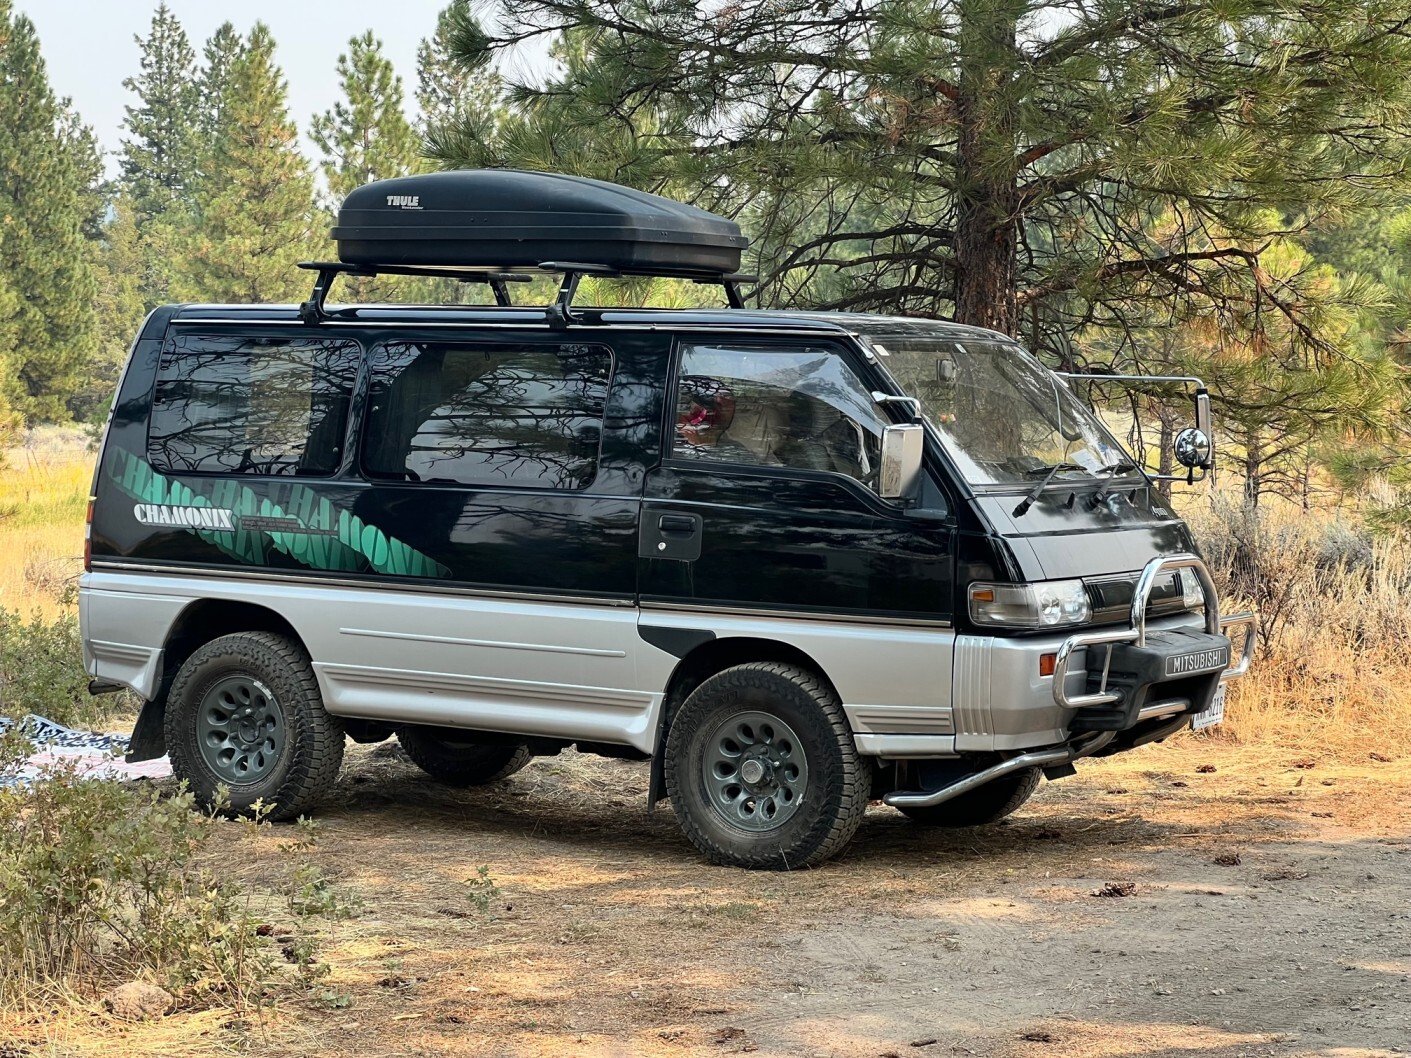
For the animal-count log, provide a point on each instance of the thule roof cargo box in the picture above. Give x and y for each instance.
(491, 218)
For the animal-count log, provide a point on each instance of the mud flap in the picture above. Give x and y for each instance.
(149, 740)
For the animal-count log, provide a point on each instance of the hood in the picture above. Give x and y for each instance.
(1056, 541)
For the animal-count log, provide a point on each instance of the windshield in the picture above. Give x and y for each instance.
(1003, 417)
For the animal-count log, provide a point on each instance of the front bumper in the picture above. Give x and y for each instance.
(1113, 693)
(1127, 687)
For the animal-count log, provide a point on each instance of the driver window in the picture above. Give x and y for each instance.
(799, 408)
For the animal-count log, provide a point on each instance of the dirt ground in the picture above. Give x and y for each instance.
(1269, 913)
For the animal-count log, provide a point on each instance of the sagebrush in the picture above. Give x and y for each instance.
(41, 671)
(1334, 599)
(101, 883)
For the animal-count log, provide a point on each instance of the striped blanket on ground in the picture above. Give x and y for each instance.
(88, 753)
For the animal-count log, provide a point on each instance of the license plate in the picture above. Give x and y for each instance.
(1212, 716)
(1198, 661)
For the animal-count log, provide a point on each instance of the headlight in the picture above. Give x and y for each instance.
(1047, 604)
(1192, 591)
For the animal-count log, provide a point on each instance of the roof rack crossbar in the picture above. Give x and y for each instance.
(560, 313)
(313, 311)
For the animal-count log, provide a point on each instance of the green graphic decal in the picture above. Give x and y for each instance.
(326, 538)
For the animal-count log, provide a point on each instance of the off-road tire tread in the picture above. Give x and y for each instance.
(980, 807)
(320, 734)
(424, 752)
(830, 832)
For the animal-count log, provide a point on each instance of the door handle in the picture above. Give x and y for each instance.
(671, 535)
(677, 524)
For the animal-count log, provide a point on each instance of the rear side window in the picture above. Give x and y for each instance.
(247, 405)
(487, 414)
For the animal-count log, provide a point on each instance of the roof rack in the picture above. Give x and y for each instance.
(313, 311)
(559, 313)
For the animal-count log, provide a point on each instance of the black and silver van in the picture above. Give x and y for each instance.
(798, 561)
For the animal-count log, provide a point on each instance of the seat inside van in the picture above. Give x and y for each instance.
(796, 429)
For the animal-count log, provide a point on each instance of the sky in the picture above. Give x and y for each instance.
(89, 47)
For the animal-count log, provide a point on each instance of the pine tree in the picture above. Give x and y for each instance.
(254, 207)
(999, 161)
(220, 52)
(123, 258)
(48, 169)
(1281, 388)
(10, 420)
(161, 154)
(449, 91)
(366, 136)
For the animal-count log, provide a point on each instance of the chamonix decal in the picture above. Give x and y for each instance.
(248, 527)
(190, 517)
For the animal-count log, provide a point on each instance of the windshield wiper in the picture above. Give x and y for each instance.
(1049, 473)
(1120, 467)
(1054, 468)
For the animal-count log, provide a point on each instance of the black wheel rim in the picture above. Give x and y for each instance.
(755, 771)
(240, 729)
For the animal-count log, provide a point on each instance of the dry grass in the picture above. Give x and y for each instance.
(43, 492)
(608, 936)
(1332, 676)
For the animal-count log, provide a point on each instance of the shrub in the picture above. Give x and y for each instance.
(1331, 674)
(41, 671)
(99, 883)
(481, 889)
(311, 892)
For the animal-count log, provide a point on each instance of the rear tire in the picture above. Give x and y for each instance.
(244, 712)
(762, 770)
(449, 757)
(987, 804)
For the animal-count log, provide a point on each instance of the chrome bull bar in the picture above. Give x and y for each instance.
(1141, 595)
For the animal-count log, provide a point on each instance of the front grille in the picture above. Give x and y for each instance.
(1111, 597)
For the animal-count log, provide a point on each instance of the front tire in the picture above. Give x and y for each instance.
(985, 804)
(762, 770)
(245, 713)
(451, 758)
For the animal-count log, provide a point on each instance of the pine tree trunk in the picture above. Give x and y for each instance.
(1253, 469)
(984, 261)
(1165, 461)
(986, 231)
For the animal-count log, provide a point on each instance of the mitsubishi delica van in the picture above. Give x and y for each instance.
(798, 561)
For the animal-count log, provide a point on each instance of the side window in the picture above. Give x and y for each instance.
(487, 415)
(250, 405)
(776, 407)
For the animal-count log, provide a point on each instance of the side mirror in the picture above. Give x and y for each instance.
(901, 461)
(1202, 414)
(1192, 448)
